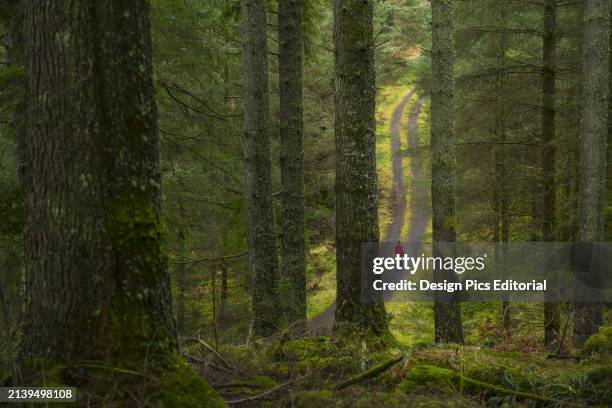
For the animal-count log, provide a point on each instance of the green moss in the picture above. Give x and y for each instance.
(135, 228)
(400, 400)
(436, 377)
(380, 356)
(314, 399)
(427, 374)
(136, 232)
(600, 343)
(10, 75)
(317, 362)
(600, 374)
(486, 370)
(182, 387)
(441, 401)
(326, 364)
(380, 399)
(264, 381)
(598, 384)
(300, 349)
(314, 353)
(280, 369)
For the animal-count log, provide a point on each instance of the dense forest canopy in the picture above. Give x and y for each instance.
(186, 188)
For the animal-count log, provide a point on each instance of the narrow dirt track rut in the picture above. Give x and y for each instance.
(323, 323)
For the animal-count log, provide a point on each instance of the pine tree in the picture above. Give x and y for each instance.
(292, 157)
(261, 238)
(356, 182)
(447, 312)
(97, 286)
(549, 45)
(593, 136)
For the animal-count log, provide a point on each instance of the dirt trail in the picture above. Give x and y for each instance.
(398, 192)
(420, 206)
(323, 323)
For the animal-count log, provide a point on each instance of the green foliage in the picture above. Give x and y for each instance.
(427, 375)
(298, 349)
(11, 84)
(182, 386)
(314, 399)
(12, 208)
(600, 343)
(11, 75)
(432, 376)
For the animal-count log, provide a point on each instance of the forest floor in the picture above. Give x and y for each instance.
(313, 369)
(324, 371)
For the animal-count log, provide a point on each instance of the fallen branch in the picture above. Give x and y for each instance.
(212, 350)
(260, 396)
(208, 363)
(213, 259)
(236, 385)
(427, 374)
(565, 357)
(372, 372)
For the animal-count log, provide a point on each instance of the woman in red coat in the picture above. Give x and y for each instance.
(399, 249)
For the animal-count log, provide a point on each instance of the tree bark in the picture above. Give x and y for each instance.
(608, 220)
(447, 312)
(292, 158)
(552, 321)
(97, 286)
(356, 182)
(501, 164)
(593, 134)
(258, 172)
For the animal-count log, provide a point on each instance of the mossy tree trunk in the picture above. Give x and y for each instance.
(549, 45)
(356, 183)
(447, 312)
(593, 134)
(11, 17)
(97, 286)
(292, 158)
(502, 215)
(261, 238)
(608, 212)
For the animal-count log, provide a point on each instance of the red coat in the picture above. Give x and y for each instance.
(399, 249)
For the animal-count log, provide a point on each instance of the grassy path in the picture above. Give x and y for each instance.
(323, 322)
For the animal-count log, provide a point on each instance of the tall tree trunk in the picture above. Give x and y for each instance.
(593, 134)
(292, 157)
(356, 183)
(258, 172)
(97, 286)
(501, 162)
(447, 312)
(608, 220)
(549, 44)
